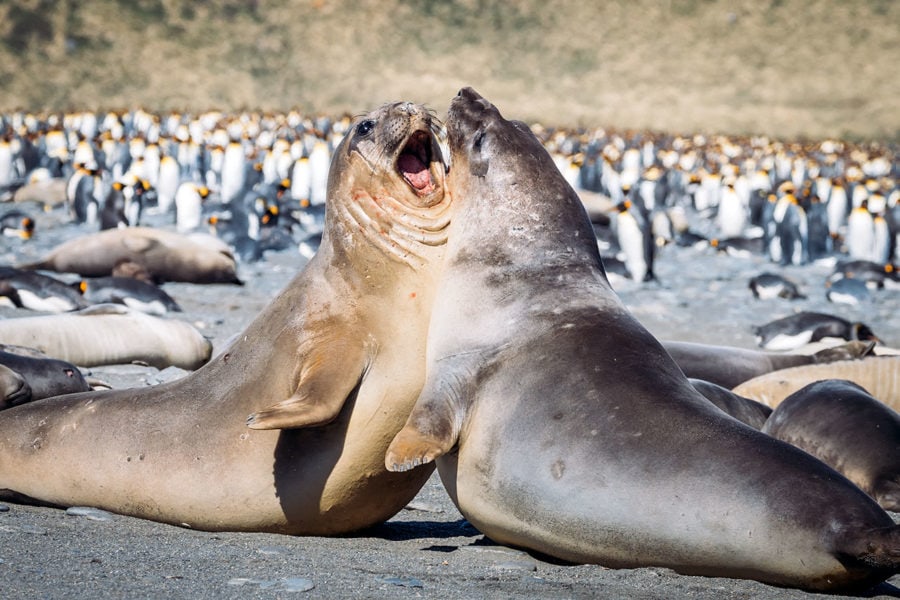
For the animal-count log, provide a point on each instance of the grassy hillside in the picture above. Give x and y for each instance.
(785, 67)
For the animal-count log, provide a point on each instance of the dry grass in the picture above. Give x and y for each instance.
(788, 68)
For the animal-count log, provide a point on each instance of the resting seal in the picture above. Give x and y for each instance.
(880, 375)
(561, 425)
(166, 255)
(729, 366)
(108, 334)
(13, 387)
(841, 424)
(340, 348)
(45, 376)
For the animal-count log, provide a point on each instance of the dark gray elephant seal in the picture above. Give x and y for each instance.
(45, 376)
(340, 349)
(561, 425)
(729, 366)
(843, 425)
(13, 387)
(745, 410)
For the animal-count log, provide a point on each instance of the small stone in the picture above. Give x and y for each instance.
(270, 550)
(295, 584)
(239, 581)
(94, 514)
(4, 508)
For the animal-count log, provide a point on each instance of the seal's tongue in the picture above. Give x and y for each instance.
(415, 172)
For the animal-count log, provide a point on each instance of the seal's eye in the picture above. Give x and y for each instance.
(478, 141)
(365, 128)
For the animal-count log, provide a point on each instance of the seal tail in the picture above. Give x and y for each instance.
(43, 264)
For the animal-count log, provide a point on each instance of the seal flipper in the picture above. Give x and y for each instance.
(887, 493)
(431, 430)
(326, 380)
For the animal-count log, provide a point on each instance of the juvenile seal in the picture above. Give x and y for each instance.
(45, 376)
(167, 255)
(561, 425)
(340, 348)
(745, 410)
(880, 375)
(13, 388)
(843, 425)
(107, 334)
(729, 366)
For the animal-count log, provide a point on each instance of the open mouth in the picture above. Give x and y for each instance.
(414, 161)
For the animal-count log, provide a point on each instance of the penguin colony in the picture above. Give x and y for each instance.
(257, 182)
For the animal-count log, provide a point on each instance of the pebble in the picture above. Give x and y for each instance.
(4, 508)
(284, 584)
(166, 375)
(94, 514)
(516, 565)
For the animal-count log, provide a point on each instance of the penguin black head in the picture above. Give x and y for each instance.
(862, 332)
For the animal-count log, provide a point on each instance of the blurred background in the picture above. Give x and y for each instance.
(788, 68)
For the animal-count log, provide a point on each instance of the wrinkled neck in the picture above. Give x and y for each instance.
(389, 229)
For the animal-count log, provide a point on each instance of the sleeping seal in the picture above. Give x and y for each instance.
(340, 349)
(561, 425)
(843, 425)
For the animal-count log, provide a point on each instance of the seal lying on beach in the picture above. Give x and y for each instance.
(341, 347)
(109, 334)
(843, 425)
(561, 425)
(729, 366)
(879, 375)
(167, 256)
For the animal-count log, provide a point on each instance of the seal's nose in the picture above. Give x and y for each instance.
(408, 107)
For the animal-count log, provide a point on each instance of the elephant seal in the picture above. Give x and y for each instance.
(745, 410)
(729, 366)
(167, 256)
(108, 334)
(45, 376)
(560, 424)
(843, 425)
(341, 349)
(880, 375)
(13, 387)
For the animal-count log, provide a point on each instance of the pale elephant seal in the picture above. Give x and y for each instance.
(166, 255)
(729, 366)
(342, 348)
(109, 334)
(561, 425)
(843, 425)
(880, 375)
(13, 388)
